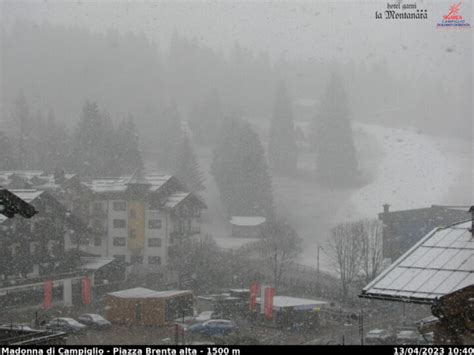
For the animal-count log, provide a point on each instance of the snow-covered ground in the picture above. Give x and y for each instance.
(413, 171)
(404, 168)
(416, 170)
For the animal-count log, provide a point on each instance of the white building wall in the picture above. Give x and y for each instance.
(108, 249)
(91, 247)
(155, 233)
(117, 232)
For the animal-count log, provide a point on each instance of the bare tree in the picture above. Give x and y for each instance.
(197, 262)
(278, 249)
(371, 248)
(345, 248)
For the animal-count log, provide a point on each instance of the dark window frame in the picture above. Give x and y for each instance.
(122, 204)
(152, 225)
(153, 241)
(122, 243)
(116, 225)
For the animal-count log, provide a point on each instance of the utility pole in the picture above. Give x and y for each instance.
(318, 266)
(176, 333)
(361, 327)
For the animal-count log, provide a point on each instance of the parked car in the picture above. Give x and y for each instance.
(213, 327)
(379, 337)
(64, 324)
(94, 321)
(408, 337)
(204, 316)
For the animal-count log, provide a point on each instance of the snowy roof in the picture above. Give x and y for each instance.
(94, 263)
(439, 264)
(174, 199)
(247, 221)
(119, 184)
(239, 290)
(108, 184)
(36, 178)
(141, 292)
(27, 195)
(295, 303)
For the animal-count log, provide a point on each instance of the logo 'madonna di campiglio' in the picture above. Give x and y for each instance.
(453, 18)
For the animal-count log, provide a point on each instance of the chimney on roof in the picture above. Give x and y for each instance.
(386, 207)
(472, 220)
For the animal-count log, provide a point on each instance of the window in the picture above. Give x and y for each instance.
(133, 234)
(97, 241)
(119, 241)
(119, 223)
(154, 224)
(133, 214)
(154, 260)
(136, 259)
(120, 257)
(120, 206)
(154, 242)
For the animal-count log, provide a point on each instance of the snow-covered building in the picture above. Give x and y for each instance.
(136, 219)
(403, 229)
(44, 248)
(37, 246)
(64, 187)
(247, 226)
(290, 311)
(439, 264)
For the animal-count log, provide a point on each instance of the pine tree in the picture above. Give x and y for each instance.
(206, 118)
(187, 167)
(127, 141)
(91, 152)
(336, 161)
(7, 158)
(53, 143)
(241, 173)
(169, 135)
(21, 118)
(282, 149)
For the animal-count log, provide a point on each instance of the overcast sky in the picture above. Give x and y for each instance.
(296, 29)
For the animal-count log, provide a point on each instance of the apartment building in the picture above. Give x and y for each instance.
(136, 219)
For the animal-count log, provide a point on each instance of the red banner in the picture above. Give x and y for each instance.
(253, 296)
(48, 294)
(268, 306)
(86, 290)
